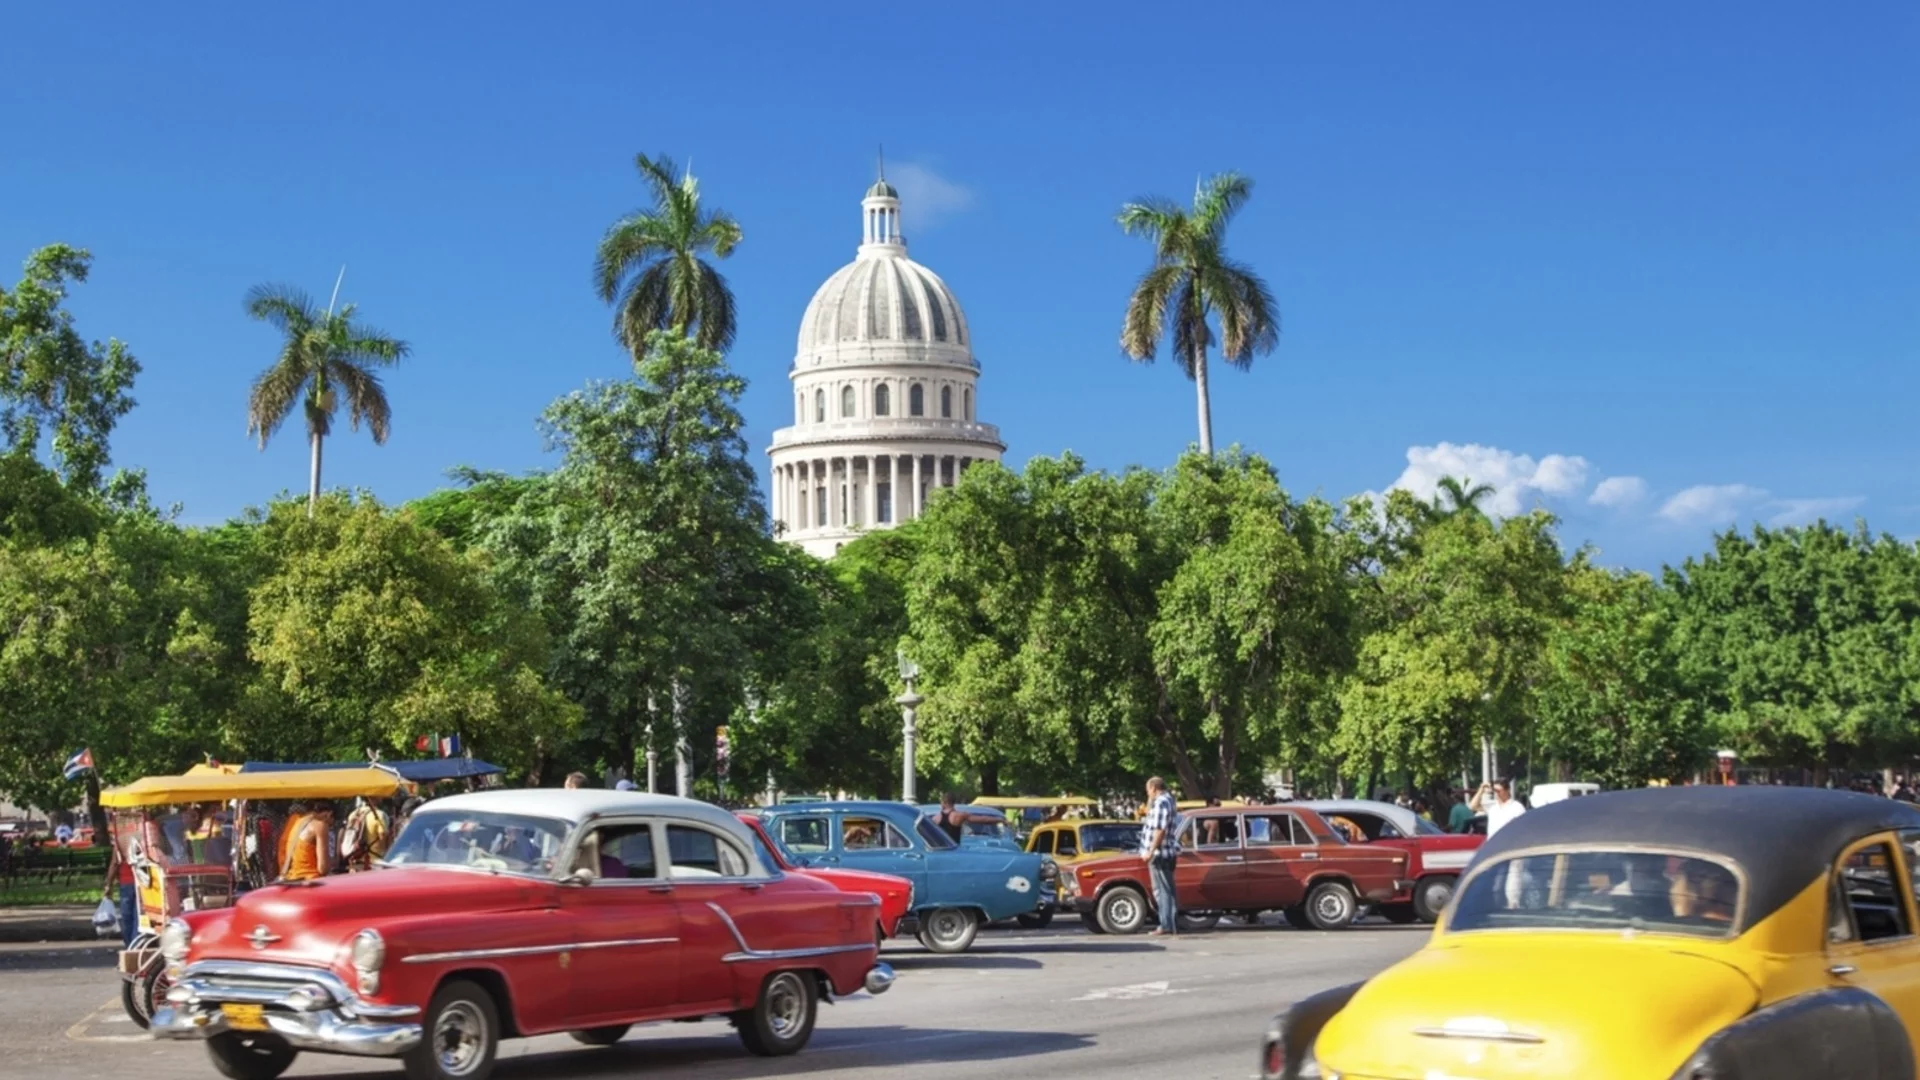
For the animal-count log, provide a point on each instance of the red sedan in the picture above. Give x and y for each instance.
(513, 913)
(895, 893)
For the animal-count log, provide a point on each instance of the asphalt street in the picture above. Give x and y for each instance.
(1057, 1003)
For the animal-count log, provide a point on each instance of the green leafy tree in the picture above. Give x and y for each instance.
(1192, 281)
(649, 265)
(1609, 700)
(647, 553)
(55, 387)
(326, 361)
(1458, 622)
(1252, 625)
(371, 631)
(1800, 644)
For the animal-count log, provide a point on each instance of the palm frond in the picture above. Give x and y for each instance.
(1190, 332)
(720, 232)
(632, 242)
(646, 305)
(717, 322)
(1152, 218)
(285, 307)
(1217, 199)
(366, 398)
(1146, 311)
(1249, 315)
(366, 346)
(274, 394)
(657, 173)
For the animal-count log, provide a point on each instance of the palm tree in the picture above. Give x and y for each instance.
(1455, 496)
(325, 360)
(1192, 278)
(649, 264)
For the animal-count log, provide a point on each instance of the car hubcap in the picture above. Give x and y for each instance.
(786, 1006)
(1437, 896)
(948, 926)
(1332, 907)
(1124, 912)
(460, 1038)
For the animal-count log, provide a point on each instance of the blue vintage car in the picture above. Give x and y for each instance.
(956, 890)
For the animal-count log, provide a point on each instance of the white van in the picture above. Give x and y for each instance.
(1544, 794)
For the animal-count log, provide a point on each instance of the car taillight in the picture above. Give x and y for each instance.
(1274, 1060)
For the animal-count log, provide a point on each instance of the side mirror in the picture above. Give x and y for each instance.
(580, 876)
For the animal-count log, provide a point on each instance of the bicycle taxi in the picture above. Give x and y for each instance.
(195, 840)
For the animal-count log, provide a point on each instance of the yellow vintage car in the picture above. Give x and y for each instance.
(1691, 933)
(1077, 839)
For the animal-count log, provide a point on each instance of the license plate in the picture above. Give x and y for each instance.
(245, 1017)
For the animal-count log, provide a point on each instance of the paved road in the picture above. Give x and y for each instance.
(1059, 1004)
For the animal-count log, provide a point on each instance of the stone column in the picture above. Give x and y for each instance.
(917, 506)
(873, 491)
(776, 478)
(898, 491)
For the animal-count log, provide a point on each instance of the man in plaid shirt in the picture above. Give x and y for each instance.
(1160, 849)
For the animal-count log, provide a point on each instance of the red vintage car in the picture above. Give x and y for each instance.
(512, 913)
(1243, 860)
(895, 893)
(1435, 857)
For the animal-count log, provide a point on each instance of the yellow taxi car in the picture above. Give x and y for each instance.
(1078, 839)
(1691, 933)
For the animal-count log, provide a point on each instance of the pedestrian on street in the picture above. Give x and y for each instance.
(1460, 815)
(1160, 849)
(576, 781)
(1500, 809)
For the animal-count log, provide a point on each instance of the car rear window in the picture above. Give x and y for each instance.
(1600, 890)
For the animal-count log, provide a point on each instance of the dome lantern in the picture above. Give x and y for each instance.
(881, 213)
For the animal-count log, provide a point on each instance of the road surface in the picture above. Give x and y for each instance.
(1059, 1003)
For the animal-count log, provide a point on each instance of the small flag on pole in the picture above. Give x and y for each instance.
(450, 746)
(79, 763)
(425, 742)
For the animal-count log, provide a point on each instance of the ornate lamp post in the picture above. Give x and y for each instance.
(909, 702)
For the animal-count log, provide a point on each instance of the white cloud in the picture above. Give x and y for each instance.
(1711, 504)
(1806, 511)
(926, 197)
(1618, 492)
(1516, 479)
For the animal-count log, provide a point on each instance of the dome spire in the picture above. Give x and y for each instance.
(880, 211)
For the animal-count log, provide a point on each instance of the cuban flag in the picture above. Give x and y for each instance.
(79, 763)
(450, 746)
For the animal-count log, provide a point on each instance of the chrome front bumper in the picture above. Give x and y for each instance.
(880, 979)
(310, 1008)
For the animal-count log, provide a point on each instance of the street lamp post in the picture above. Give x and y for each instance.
(909, 703)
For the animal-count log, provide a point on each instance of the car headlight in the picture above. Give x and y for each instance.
(368, 952)
(175, 939)
(1049, 870)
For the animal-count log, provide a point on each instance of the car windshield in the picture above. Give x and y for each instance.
(1600, 890)
(1427, 828)
(767, 859)
(486, 841)
(1109, 838)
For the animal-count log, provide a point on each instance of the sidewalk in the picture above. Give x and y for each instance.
(47, 922)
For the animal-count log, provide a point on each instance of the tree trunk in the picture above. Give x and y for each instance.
(682, 744)
(1229, 762)
(1206, 400)
(1164, 727)
(990, 780)
(96, 814)
(313, 477)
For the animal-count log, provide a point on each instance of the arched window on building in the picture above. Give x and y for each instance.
(946, 402)
(846, 402)
(819, 406)
(966, 405)
(916, 401)
(881, 403)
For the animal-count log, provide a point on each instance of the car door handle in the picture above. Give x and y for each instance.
(1842, 970)
(752, 886)
(911, 855)
(1309, 854)
(660, 888)
(1235, 858)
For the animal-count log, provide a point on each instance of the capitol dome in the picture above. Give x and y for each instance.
(884, 380)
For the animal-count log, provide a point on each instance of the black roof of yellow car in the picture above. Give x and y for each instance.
(1782, 838)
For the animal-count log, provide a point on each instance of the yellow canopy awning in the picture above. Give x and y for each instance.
(212, 786)
(213, 770)
(1030, 802)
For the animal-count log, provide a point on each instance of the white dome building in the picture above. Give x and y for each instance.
(884, 385)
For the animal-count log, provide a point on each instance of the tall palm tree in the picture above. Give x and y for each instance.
(325, 361)
(1192, 279)
(1455, 496)
(649, 264)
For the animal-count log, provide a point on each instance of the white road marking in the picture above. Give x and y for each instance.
(77, 1031)
(1132, 992)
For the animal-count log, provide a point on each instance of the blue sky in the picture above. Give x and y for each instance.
(1654, 266)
